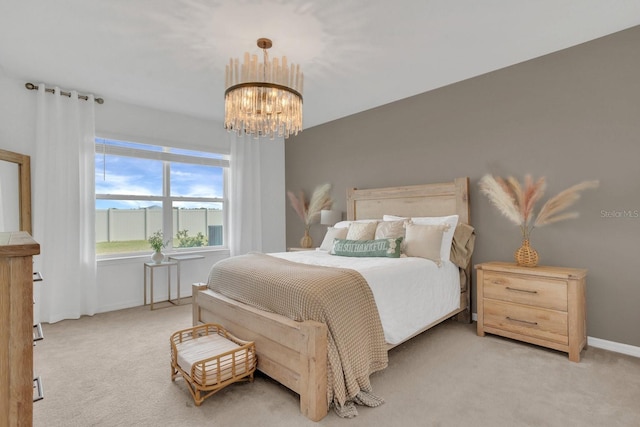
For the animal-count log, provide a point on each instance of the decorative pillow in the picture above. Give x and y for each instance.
(425, 241)
(362, 230)
(342, 224)
(333, 233)
(447, 239)
(389, 248)
(389, 229)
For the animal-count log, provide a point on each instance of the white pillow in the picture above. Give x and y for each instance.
(345, 224)
(390, 229)
(333, 233)
(342, 224)
(362, 230)
(447, 238)
(424, 240)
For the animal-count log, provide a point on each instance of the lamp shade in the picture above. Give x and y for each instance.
(330, 217)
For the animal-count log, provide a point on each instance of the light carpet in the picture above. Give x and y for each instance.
(112, 369)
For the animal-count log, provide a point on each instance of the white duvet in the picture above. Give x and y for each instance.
(410, 292)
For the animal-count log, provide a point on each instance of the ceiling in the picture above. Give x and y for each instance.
(356, 54)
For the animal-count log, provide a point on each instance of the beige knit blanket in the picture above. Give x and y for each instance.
(340, 298)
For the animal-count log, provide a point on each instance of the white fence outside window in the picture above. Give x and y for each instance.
(117, 225)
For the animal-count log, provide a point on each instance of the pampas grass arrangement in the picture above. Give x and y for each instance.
(309, 212)
(517, 202)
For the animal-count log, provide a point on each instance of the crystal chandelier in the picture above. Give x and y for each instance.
(263, 99)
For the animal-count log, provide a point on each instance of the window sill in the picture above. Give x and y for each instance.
(137, 258)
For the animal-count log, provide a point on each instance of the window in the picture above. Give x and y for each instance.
(142, 189)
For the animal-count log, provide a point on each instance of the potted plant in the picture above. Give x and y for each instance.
(157, 243)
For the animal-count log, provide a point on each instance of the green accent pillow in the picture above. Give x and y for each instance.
(367, 248)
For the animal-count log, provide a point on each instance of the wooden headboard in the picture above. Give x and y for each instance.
(447, 198)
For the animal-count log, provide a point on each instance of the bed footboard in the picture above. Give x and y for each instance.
(292, 353)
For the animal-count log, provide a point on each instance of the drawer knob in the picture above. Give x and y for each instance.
(521, 290)
(522, 321)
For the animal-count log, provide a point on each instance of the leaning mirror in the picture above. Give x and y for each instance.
(15, 191)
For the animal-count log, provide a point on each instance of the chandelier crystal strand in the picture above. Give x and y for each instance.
(263, 99)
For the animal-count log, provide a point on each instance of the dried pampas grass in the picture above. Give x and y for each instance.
(320, 200)
(499, 194)
(552, 210)
(298, 204)
(517, 202)
(309, 212)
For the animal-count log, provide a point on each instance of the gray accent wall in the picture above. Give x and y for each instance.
(570, 116)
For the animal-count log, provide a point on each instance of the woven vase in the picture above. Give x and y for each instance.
(306, 241)
(526, 256)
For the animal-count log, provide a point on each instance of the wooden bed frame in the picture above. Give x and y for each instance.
(295, 353)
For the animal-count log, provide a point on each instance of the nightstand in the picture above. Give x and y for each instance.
(540, 305)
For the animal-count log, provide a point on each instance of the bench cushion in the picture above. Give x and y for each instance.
(217, 370)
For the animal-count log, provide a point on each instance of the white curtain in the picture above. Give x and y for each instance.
(64, 205)
(245, 200)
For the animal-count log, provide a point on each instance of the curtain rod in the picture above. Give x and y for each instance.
(31, 86)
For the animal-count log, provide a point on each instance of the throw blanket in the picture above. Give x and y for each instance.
(340, 298)
(464, 239)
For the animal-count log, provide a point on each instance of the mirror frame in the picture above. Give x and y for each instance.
(24, 178)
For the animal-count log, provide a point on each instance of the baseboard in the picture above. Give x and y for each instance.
(617, 347)
(627, 349)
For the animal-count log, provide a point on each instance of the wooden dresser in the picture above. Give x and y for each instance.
(539, 305)
(16, 333)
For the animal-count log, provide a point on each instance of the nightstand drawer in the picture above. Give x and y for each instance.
(545, 324)
(538, 292)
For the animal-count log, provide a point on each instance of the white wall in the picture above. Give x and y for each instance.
(121, 120)
(17, 115)
(120, 281)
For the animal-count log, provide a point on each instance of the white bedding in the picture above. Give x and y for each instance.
(410, 292)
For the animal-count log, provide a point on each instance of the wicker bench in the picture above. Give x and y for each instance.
(209, 359)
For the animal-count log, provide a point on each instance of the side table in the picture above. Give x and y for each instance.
(148, 273)
(179, 259)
